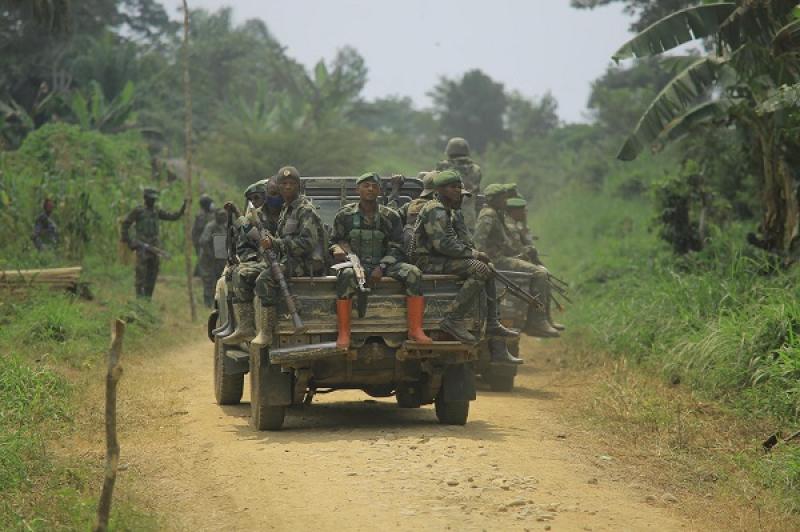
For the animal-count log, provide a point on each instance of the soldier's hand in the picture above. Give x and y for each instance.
(339, 256)
(481, 256)
(397, 180)
(266, 242)
(375, 276)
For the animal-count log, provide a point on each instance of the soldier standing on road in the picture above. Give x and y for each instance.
(212, 246)
(492, 238)
(299, 243)
(145, 220)
(45, 230)
(459, 160)
(373, 232)
(249, 268)
(442, 245)
(521, 238)
(203, 218)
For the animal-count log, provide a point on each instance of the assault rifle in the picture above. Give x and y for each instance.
(158, 252)
(361, 280)
(257, 233)
(516, 290)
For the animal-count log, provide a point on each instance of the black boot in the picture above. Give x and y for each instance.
(457, 330)
(495, 329)
(500, 354)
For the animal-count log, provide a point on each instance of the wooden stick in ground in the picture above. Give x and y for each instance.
(187, 97)
(112, 445)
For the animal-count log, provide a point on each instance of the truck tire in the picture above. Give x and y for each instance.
(227, 388)
(451, 412)
(500, 383)
(263, 415)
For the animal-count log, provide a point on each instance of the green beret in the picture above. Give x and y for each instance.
(256, 188)
(369, 176)
(516, 202)
(150, 192)
(288, 172)
(446, 177)
(494, 189)
(511, 187)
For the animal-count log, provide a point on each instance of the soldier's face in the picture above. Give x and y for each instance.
(517, 214)
(290, 188)
(256, 199)
(149, 201)
(452, 193)
(369, 191)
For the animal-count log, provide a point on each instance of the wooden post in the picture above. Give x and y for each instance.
(187, 98)
(112, 445)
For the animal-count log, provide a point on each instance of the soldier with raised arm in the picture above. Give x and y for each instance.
(145, 220)
(373, 233)
(443, 245)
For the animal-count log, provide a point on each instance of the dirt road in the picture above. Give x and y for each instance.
(350, 462)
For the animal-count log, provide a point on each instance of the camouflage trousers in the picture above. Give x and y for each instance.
(514, 264)
(477, 278)
(147, 265)
(408, 274)
(210, 273)
(245, 278)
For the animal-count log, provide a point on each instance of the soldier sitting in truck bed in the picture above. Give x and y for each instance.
(442, 245)
(373, 232)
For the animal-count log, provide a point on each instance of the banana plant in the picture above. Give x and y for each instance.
(94, 111)
(755, 54)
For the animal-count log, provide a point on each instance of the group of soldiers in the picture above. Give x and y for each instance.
(428, 235)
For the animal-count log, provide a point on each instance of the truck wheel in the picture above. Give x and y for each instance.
(227, 388)
(500, 383)
(451, 412)
(263, 415)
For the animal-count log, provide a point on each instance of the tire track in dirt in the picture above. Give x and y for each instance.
(349, 462)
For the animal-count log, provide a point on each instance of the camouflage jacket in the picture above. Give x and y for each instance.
(45, 232)
(521, 240)
(441, 234)
(491, 235)
(206, 242)
(145, 223)
(410, 211)
(375, 241)
(470, 171)
(300, 237)
(202, 219)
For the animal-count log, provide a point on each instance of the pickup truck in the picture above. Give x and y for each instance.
(380, 360)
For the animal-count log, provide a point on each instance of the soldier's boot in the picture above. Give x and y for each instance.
(266, 326)
(455, 328)
(495, 329)
(245, 330)
(538, 323)
(344, 309)
(500, 354)
(415, 307)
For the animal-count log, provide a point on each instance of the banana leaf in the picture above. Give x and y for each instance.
(685, 89)
(756, 22)
(676, 29)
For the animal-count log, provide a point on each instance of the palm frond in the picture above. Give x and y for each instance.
(705, 113)
(675, 29)
(684, 89)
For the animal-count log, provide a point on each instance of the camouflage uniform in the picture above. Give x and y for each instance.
(300, 244)
(376, 242)
(203, 218)
(145, 221)
(45, 232)
(211, 267)
(458, 160)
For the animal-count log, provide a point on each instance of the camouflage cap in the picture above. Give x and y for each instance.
(256, 188)
(369, 176)
(517, 203)
(288, 172)
(150, 192)
(494, 189)
(427, 183)
(446, 177)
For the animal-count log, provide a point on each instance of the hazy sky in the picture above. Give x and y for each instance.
(529, 45)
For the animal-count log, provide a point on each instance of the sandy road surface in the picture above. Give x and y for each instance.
(349, 462)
